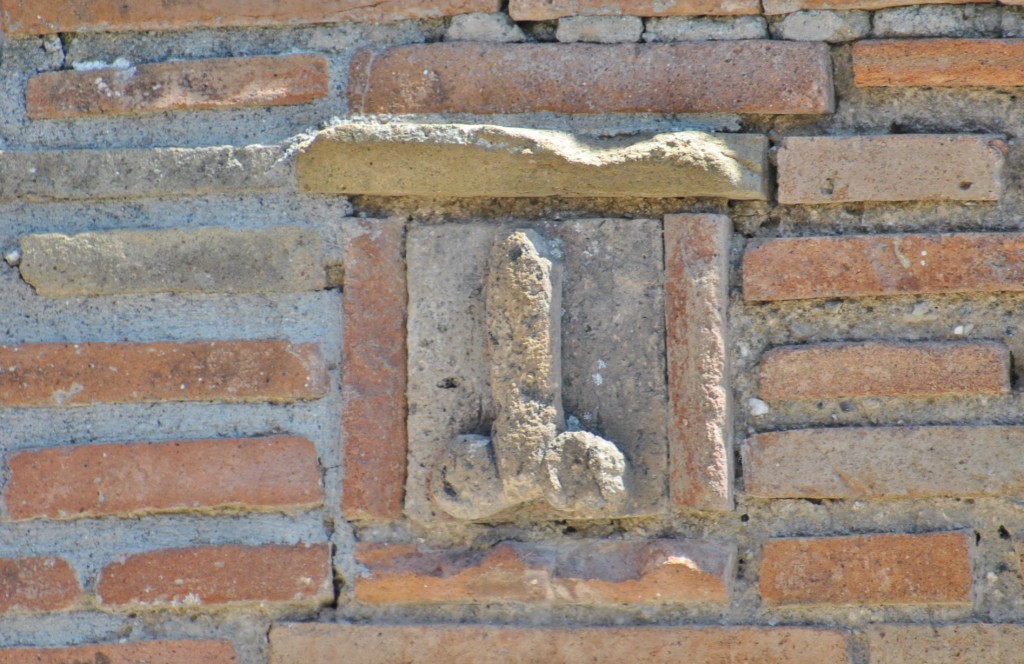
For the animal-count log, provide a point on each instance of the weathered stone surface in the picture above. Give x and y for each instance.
(140, 652)
(885, 462)
(545, 10)
(828, 26)
(205, 260)
(927, 644)
(613, 366)
(937, 20)
(939, 62)
(479, 160)
(754, 76)
(585, 474)
(788, 6)
(600, 29)
(701, 28)
(484, 27)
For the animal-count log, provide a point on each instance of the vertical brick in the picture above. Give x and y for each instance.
(868, 569)
(938, 62)
(929, 644)
(211, 576)
(545, 10)
(696, 303)
(36, 584)
(374, 374)
(257, 474)
(143, 652)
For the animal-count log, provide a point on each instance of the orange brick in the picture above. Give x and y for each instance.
(755, 76)
(434, 644)
(868, 569)
(788, 6)
(929, 644)
(884, 369)
(37, 17)
(696, 304)
(163, 477)
(904, 167)
(374, 376)
(143, 652)
(545, 10)
(172, 86)
(202, 577)
(609, 572)
(939, 62)
(36, 584)
(866, 265)
(232, 371)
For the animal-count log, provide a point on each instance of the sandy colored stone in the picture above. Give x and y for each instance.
(180, 476)
(434, 644)
(479, 160)
(29, 17)
(941, 20)
(788, 6)
(885, 462)
(939, 62)
(484, 27)
(756, 76)
(373, 379)
(700, 28)
(828, 26)
(600, 29)
(545, 10)
(884, 369)
(905, 167)
(36, 584)
(41, 375)
(141, 652)
(927, 644)
(696, 305)
(879, 265)
(207, 576)
(204, 260)
(879, 569)
(181, 85)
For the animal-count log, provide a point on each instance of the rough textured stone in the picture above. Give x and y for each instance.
(544, 10)
(926, 644)
(205, 260)
(828, 26)
(205, 576)
(374, 368)
(142, 652)
(756, 76)
(927, 167)
(868, 569)
(939, 62)
(885, 462)
(884, 369)
(696, 304)
(181, 85)
(480, 160)
(36, 584)
(938, 21)
(789, 6)
(484, 27)
(867, 265)
(28, 17)
(587, 572)
(600, 29)
(232, 371)
(613, 366)
(676, 28)
(373, 644)
(261, 474)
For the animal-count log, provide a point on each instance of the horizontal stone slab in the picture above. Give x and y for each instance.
(939, 62)
(747, 76)
(164, 652)
(974, 643)
(787, 6)
(545, 10)
(205, 260)
(483, 160)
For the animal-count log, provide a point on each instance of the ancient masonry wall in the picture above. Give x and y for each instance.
(547, 330)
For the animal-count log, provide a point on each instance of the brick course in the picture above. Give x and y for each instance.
(145, 652)
(938, 62)
(44, 583)
(545, 10)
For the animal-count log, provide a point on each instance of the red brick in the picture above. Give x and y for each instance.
(207, 576)
(696, 304)
(868, 569)
(651, 571)
(887, 462)
(383, 644)
(788, 6)
(37, 17)
(374, 376)
(939, 62)
(36, 584)
(177, 476)
(143, 652)
(232, 371)
(545, 10)
(754, 76)
(172, 86)
(884, 369)
(905, 167)
(873, 265)
(929, 644)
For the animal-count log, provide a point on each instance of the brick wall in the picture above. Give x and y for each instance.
(547, 330)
